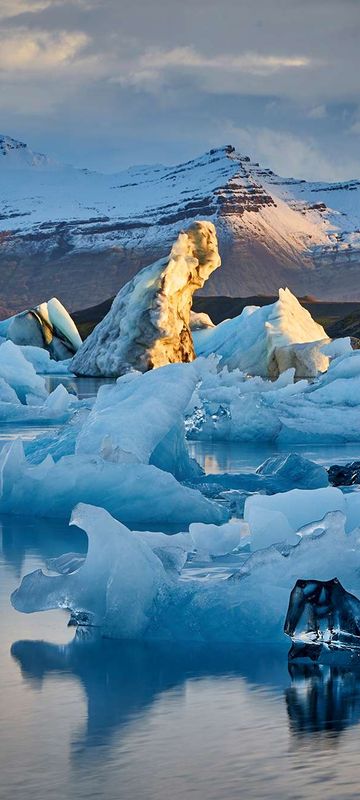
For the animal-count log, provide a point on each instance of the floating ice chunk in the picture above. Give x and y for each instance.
(215, 540)
(352, 504)
(172, 550)
(252, 420)
(172, 455)
(200, 320)
(140, 494)
(344, 474)
(35, 413)
(333, 519)
(297, 471)
(48, 326)
(276, 518)
(129, 419)
(251, 341)
(58, 401)
(307, 359)
(65, 564)
(323, 612)
(20, 374)
(59, 443)
(344, 366)
(121, 575)
(7, 393)
(42, 362)
(245, 409)
(248, 606)
(338, 347)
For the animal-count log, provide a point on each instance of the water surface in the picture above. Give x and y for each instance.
(89, 718)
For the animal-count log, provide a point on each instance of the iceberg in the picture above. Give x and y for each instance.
(133, 493)
(148, 324)
(57, 408)
(277, 518)
(127, 453)
(130, 418)
(218, 540)
(120, 558)
(268, 340)
(48, 326)
(43, 363)
(126, 590)
(278, 474)
(232, 406)
(323, 613)
(19, 374)
(294, 471)
(23, 394)
(345, 474)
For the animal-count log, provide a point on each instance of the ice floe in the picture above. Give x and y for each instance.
(127, 591)
(48, 326)
(268, 340)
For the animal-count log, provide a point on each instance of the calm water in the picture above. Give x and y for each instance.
(243, 457)
(82, 718)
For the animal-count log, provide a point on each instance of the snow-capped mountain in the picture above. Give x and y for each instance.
(81, 235)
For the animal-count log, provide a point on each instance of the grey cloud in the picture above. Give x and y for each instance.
(164, 80)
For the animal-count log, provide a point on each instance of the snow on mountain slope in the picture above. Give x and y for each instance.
(83, 234)
(17, 155)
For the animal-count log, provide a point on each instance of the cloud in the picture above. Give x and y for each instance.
(22, 50)
(290, 155)
(10, 9)
(355, 127)
(156, 64)
(318, 112)
(158, 80)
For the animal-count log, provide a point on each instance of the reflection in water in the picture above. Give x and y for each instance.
(323, 697)
(122, 679)
(218, 457)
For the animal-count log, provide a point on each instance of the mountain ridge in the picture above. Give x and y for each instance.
(83, 234)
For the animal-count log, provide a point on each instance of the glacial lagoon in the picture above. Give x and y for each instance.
(84, 717)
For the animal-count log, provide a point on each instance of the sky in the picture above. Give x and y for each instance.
(105, 84)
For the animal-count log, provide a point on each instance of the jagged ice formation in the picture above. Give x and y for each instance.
(148, 324)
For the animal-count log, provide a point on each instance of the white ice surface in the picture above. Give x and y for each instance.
(130, 418)
(20, 374)
(232, 407)
(253, 342)
(43, 363)
(61, 320)
(133, 493)
(127, 591)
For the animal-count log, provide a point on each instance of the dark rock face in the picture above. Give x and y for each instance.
(348, 326)
(323, 612)
(345, 475)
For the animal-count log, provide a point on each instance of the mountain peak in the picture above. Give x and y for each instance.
(273, 231)
(14, 153)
